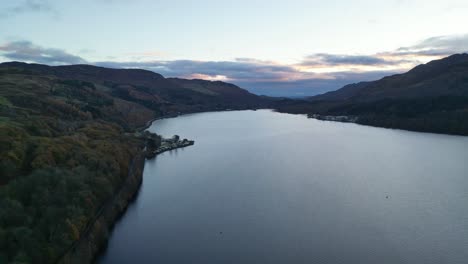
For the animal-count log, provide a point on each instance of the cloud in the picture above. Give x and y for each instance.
(325, 59)
(27, 51)
(29, 6)
(437, 46)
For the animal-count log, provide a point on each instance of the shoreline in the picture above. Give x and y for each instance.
(357, 121)
(93, 241)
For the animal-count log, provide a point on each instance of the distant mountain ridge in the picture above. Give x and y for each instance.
(447, 76)
(432, 97)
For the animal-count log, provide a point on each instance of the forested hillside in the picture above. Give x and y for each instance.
(67, 138)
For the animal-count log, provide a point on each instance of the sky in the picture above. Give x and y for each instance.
(282, 48)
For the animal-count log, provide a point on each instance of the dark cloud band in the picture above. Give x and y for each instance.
(26, 6)
(27, 51)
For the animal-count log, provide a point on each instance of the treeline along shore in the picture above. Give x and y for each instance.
(96, 233)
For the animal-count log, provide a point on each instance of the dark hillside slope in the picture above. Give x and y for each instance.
(447, 76)
(345, 93)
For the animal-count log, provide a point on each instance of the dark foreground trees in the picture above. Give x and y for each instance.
(64, 151)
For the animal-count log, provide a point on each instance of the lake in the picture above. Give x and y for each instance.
(265, 187)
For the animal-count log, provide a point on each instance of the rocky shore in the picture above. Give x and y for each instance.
(346, 119)
(169, 144)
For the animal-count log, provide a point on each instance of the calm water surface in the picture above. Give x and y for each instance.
(265, 187)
